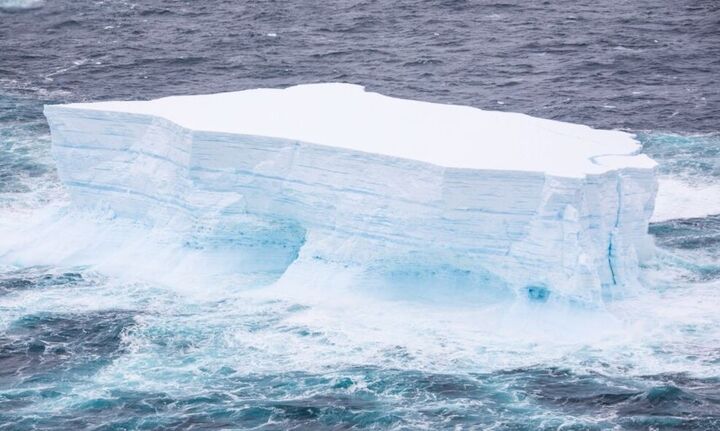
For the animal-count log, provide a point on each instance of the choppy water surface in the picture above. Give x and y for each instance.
(83, 349)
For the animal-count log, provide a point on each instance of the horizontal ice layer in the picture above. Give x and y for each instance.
(410, 191)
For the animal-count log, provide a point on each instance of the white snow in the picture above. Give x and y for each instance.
(683, 199)
(347, 116)
(392, 192)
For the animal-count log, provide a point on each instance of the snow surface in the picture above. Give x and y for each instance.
(346, 116)
(331, 185)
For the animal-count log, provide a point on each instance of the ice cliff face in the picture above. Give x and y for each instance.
(397, 191)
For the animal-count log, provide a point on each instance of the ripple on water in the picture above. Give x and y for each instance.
(36, 278)
(48, 348)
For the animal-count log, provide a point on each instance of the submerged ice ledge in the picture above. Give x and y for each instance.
(410, 192)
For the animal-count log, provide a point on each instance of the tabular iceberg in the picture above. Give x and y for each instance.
(408, 191)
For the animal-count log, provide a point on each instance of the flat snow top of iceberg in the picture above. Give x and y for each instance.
(347, 116)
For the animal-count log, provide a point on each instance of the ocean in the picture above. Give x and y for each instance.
(90, 347)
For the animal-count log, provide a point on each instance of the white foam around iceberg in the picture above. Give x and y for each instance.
(402, 192)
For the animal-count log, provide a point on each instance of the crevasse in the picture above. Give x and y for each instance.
(512, 208)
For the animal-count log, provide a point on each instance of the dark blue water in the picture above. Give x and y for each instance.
(80, 350)
(643, 65)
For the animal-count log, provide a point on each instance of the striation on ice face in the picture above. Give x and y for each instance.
(408, 191)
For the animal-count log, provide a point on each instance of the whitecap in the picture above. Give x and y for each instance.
(679, 198)
(21, 4)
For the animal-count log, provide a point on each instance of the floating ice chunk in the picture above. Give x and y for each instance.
(21, 4)
(407, 190)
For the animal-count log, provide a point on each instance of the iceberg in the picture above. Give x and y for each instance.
(400, 191)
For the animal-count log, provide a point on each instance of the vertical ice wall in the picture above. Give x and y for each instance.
(539, 235)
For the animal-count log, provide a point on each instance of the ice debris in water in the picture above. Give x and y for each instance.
(313, 178)
(19, 5)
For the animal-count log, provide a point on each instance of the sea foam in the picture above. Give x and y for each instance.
(398, 192)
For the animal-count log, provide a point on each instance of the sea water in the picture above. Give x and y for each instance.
(93, 346)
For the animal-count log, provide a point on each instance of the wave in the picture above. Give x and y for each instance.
(680, 198)
(134, 322)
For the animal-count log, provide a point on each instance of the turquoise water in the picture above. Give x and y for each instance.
(95, 346)
(81, 348)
